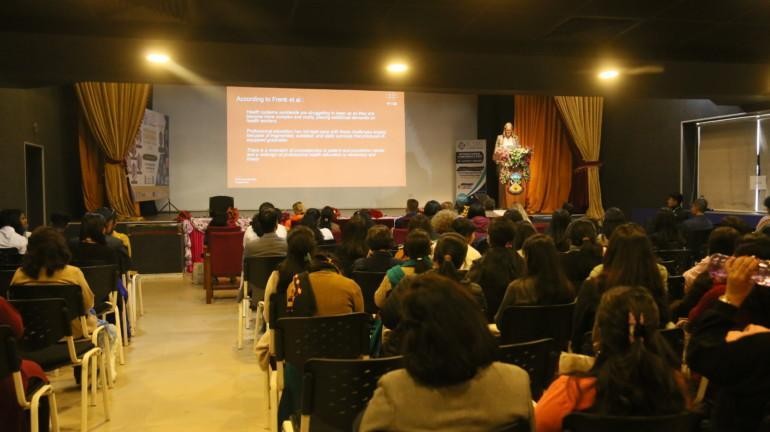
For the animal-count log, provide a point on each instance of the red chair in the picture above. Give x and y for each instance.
(222, 257)
(399, 235)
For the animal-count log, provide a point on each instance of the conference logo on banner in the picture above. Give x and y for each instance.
(470, 167)
(147, 162)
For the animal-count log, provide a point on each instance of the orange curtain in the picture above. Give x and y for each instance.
(91, 167)
(539, 126)
(113, 113)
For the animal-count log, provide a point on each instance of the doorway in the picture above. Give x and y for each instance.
(34, 180)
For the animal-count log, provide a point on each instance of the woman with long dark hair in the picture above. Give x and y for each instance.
(91, 247)
(557, 229)
(301, 245)
(584, 252)
(329, 220)
(418, 250)
(544, 283)
(451, 381)
(635, 372)
(499, 266)
(311, 219)
(353, 244)
(629, 261)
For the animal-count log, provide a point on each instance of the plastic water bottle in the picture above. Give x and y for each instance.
(718, 272)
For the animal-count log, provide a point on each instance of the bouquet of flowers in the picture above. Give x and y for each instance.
(514, 164)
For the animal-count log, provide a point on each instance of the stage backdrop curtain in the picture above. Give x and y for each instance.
(113, 112)
(539, 126)
(583, 117)
(91, 167)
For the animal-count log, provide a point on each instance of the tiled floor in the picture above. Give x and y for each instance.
(182, 371)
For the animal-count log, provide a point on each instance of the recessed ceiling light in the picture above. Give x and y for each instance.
(158, 58)
(397, 67)
(609, 74)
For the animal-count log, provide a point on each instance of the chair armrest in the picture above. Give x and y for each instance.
(95, 335)
(287, 426)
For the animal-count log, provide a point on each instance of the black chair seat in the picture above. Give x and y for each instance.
(56, 356)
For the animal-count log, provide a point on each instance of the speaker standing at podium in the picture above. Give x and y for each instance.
(509, 141)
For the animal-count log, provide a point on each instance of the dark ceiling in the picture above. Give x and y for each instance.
(529, 45)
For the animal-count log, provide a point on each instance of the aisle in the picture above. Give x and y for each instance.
(182, 371)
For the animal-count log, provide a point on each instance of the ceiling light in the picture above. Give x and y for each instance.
(609, 74)
(158, 58)
(397, 67)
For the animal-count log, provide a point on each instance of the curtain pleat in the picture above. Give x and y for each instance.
(113, 113)
(583, 117)
(91, 167)
(539, 127)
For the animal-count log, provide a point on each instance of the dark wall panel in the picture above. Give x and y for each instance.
(640, 147)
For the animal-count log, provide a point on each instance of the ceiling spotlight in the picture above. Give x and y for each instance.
(397, 67)
(609, 74)
(158, 58)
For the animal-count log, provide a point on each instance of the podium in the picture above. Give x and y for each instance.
(513, 174)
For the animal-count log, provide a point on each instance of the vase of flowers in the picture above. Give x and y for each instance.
(513, 166)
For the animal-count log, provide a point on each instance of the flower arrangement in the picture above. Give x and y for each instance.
(514, 164)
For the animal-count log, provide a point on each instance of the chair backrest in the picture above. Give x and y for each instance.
(679, 260)
(6, 275)
(369, 282)
(334, 336)
(334, 391)
(102, 279)
(399, 235)
(9, 359)
(10, 256)
(71, 294)
(46, 321)
(579, 421)
(528, 323)
(226, 250)
(220, 203)
(675, 339)
(156, 248)
(539, 358)
(257, 270)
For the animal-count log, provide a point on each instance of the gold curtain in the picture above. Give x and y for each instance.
(583, 117)
(113, 113)
(538, 124)
(91, 167)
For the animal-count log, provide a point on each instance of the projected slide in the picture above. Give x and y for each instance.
(291, 138)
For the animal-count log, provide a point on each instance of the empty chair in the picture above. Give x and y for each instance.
(528, 323)
(256, 272)
(580, 421)
(335, 391)
(369, 282)
(539, 358)
(10, 367)
(222, 257)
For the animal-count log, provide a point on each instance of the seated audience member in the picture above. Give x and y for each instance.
(737, 223)
(300, 245)
(311, 219)
(613, 218)
(557, 229)
(465, 228)
(47, 263)
(298, 211)
(90, 248)
(523, 212)
(442, 221)
(447, 205)
(252, 231)
(721, 241)
(524, 230)
(584, 252)
(698, 221)
(754, 245)
(412, 209)
(674, 203)
(12, 230)
(499, 266)
(12, 416)
(665, 232)
(478, 216)
(629, 261)
(329, 221)
(353, 244)
(765, 221)
(569, 208)
(431, 208)
(379, 240)
(118, 242)
(451, 381)
(635, 373)
(733, 351)
(544, 282)
(268, 243)
(418, 250)
(513, 216)
(419, 221)
(60, 222)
